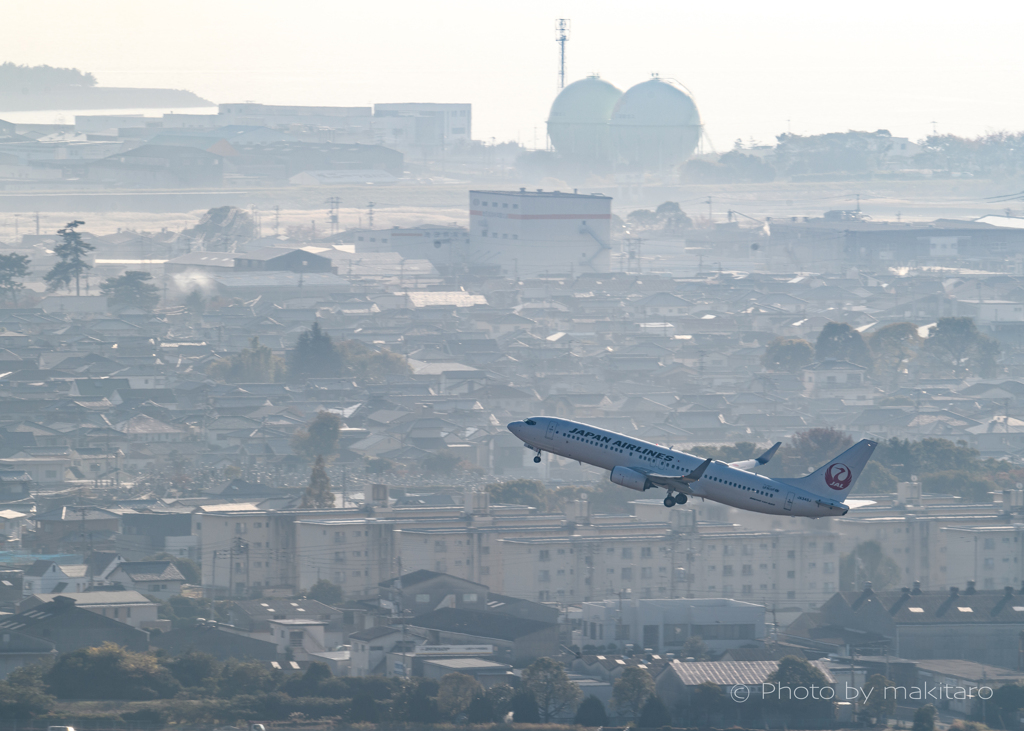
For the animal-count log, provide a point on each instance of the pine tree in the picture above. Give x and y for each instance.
(318, 494)
(131, 289)
(315, 356)
(13, 268)
(72, 253)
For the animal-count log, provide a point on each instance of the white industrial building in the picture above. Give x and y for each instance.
(533, 233)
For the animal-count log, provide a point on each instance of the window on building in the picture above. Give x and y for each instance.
(423, 598)
(469, 597)
(544, 576)
(627, 553)
(627, 573)
(544, 555)
(646, 552)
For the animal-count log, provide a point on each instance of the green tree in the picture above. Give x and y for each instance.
(131, 289)
(551, 686)
(787, 354)
(13, 268)
(23, 694)
(1008, 701)
(194, 669)
(879, 703)
(500, 696)
(591, 712)
(518, 492)
(455, 694)
(892, 347)
(654, 714)
(72, 254)
(956, 342)
(481, 710)
(707, 701)
(809, 450)
(109, 672)
(320, 437)
(245, 678)
(441, 463)
(694, 647)
(194, 303)
(378, 465)
(924, 718)
(796, 672)
(867, 562)
(524, 707)
(314, 356)
(631, 691)
(971, 485)
(318, 494)
(256, 364)
(326, 592)
(839, 341)
(364, 709)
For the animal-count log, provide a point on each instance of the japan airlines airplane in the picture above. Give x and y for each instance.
(641, 465)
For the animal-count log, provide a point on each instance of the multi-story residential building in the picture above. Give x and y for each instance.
(517, 552)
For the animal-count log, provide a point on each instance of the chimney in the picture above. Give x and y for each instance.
(867, 586)
(970, 587)
(917, 588)
(954, 591)
(1007, 591)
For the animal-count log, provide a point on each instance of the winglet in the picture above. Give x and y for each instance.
(764, 458)
(699, 472)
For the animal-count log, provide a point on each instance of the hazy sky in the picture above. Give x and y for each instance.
(754, 68)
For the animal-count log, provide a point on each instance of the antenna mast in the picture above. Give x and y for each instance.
(562, 26)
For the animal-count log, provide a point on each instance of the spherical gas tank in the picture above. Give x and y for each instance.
(654, 126)
(578, 122)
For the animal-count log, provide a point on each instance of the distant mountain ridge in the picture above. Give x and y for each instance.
(44, 88)
(97, 97)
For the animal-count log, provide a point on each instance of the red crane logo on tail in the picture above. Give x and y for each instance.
(838, 476)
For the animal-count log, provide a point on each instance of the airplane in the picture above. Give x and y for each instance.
(640, 466)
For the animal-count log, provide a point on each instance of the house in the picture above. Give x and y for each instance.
(980, 626)
(223, 644)
(516, 640)
(677, 681)
(17, 649)
(47, 577)
(129, 607)
(370, 648)
(425, 591)
(160, 579)
(278, 259)
(70, 627)
(255, 616)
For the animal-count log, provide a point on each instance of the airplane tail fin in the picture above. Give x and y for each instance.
(836, 478)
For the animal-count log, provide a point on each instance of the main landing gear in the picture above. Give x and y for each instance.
(672, 500)
(537, 459)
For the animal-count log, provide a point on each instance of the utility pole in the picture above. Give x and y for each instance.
(710, 218)
(369, 214)
(37, 223)
(562, 26)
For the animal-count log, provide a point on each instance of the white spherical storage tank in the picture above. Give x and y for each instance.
(654, 126)
(578, 121)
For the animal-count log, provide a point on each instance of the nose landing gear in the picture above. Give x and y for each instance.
(537, 459)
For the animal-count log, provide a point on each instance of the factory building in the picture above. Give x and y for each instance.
(536, 232)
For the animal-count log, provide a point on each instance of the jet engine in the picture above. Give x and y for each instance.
(629, 478)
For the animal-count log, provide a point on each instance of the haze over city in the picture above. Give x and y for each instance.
(594, 365)
(756, 70)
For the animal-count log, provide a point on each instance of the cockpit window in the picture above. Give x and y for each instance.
(530, 422)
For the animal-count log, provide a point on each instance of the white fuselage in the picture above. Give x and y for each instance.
(720, 482)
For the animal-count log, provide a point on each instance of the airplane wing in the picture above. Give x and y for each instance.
(750, 464)
(679, 483)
